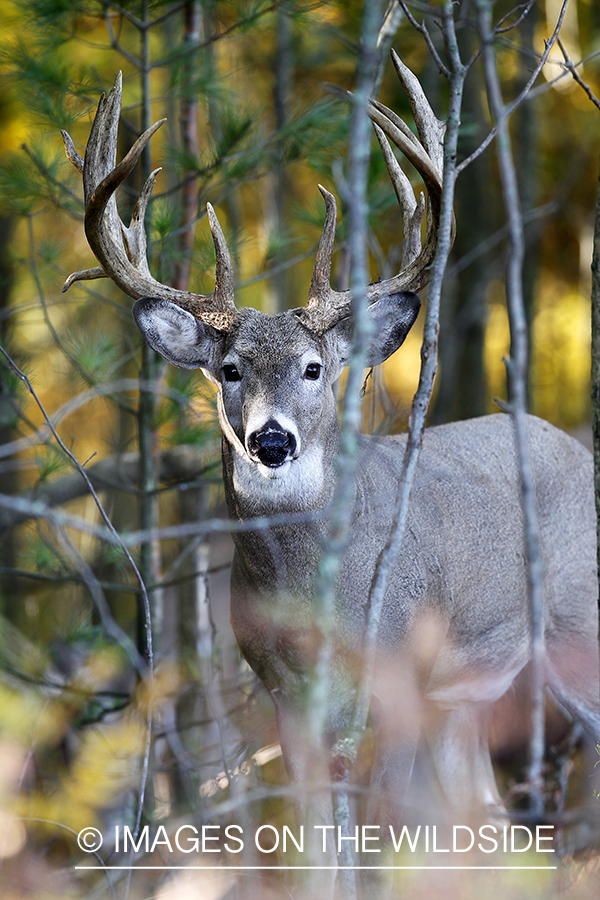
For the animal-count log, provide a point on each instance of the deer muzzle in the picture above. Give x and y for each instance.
(272, 445)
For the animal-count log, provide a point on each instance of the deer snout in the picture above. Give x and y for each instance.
(272, 444)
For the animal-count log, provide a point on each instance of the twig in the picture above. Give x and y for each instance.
(201, 45)
(37, 510)
(422, 29)
(64, 579)
(533, 215)
(422, 397)
(139, 24)
(525, 7)
(517, 373)
(112, 530)
(570, 65)
(93, 585)
(346, 469)
(519, 99)
(115, 44)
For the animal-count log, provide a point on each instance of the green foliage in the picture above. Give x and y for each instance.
(43, 557)
(59, 17)
(50, 460)
(280, 241)
(33, 178)
(315, 133)
(50, 250)
(12, 397)
(96, 354)
(187, 413)
(164, 222)
(235, 134)
(111, 557)
(46, 81)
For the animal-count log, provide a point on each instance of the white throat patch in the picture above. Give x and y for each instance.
(298, 482)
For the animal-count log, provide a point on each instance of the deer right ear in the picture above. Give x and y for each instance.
(177, 335)
(393, 316)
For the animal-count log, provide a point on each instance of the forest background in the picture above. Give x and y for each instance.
(254, 95)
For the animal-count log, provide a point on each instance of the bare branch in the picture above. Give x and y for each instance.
(570, 65)
(510, 108)
(422, 29)
(140, 24)
(23, 377)
(525, 7)
(422, 398)
(177, 465)
(517, 371)
(109, 624)
(116, 45)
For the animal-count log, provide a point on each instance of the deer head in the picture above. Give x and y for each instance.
(274, 374)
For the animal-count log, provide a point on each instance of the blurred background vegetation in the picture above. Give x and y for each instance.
(254, 95)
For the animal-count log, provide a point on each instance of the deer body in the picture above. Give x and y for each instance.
(463, 559)
(454, 633)
(462, 569)
(462, 563)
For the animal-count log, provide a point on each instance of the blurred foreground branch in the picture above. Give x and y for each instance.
(596, 358)
(517, 375)
(176, 465)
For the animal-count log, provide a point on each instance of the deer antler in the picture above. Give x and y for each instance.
(325, 306)
(121, 250)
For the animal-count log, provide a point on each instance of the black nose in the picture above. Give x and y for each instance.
(272, 444)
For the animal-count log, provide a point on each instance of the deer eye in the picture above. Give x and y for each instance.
(312, 372)
(230, 373)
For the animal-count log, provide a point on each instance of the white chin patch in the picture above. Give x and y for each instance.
(273, 472)
(298, 481)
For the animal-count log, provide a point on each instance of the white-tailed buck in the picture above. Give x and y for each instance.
(454, 633)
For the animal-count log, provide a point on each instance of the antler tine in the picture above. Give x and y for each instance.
(431, 130)
(224, 268)
(121, 250)
(326, 306)
(319, 285)
(427, 156)
(412, 212)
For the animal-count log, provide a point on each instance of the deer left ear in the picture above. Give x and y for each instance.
(393, 317)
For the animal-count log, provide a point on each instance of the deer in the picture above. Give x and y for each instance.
(460, 579)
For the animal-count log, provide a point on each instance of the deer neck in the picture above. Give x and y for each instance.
(281, 560)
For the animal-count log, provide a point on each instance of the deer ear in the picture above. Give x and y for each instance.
(177, 335)
(393, 316)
